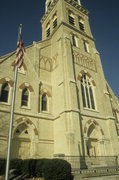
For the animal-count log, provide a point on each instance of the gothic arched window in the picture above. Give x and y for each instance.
(71, 18)
(86, 46)
(48, 29)
(87, 92)
(44, 102)
(54, 21)
(4, 92)
(81, 24)
(25, 96)
(74, 40)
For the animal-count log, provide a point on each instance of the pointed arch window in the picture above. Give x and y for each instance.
(71, 18)
(87, 92)
(74, 40)
(54, 21)
(81, 24)
(4, 92)
(44, 102)
(25, 97)
(48, 29)
(49, 3)
(86, 46)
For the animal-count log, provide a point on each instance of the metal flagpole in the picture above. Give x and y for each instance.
(11, 118)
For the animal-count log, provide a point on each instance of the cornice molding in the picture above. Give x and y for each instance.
(77, 6)
(49, 10)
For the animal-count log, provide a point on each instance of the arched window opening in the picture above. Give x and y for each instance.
(22, 142)
(25, 95)
(4, 93)
(87, 92)
(81, 24)
(48, 30)
(91, 97)
(74, 40)
(83, 95)
(49, 4)
(44, 102)
(86, 46)
(71, 18)
(54, 21)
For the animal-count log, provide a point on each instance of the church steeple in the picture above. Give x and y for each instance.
(49, 2)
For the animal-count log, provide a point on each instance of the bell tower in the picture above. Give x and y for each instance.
(77, 81)
(59, 12)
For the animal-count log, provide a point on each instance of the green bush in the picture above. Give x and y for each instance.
(32, 167)
(25, 166)
(2, 166)
(40, 167)
(16, 164)
(50, 169)
(57, 169)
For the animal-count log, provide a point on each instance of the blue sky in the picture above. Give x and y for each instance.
(104, 20)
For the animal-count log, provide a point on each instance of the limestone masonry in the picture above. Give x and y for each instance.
(64, 107)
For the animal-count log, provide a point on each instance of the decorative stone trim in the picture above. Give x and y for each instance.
(88, 74)
(22, 86)
(77, 6)
(48, 64)
(45, 91)
(84, 61)
(49, 10)
(8, 80)
(71, 2)
(26, 121)
(96, 124)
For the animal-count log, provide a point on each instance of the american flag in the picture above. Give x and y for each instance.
(20, 52)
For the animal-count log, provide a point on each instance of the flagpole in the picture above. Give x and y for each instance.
(12, 117)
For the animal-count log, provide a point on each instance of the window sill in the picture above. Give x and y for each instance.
(25, 107)
(93, 110)
(87, 52)
(76, 47)
(5, 103)
(44, 112)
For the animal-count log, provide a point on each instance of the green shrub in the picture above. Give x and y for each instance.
(25, 166)
(57, 169)
(32, 167)
(2, 166)
(40, 166)
(50, 169)
(16, 164)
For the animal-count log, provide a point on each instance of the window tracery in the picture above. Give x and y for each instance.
(87, 92)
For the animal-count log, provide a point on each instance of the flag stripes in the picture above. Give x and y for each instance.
(20, 52)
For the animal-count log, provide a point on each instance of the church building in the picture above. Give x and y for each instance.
(64, 107)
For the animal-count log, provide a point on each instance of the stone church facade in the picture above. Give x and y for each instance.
(64, 107)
